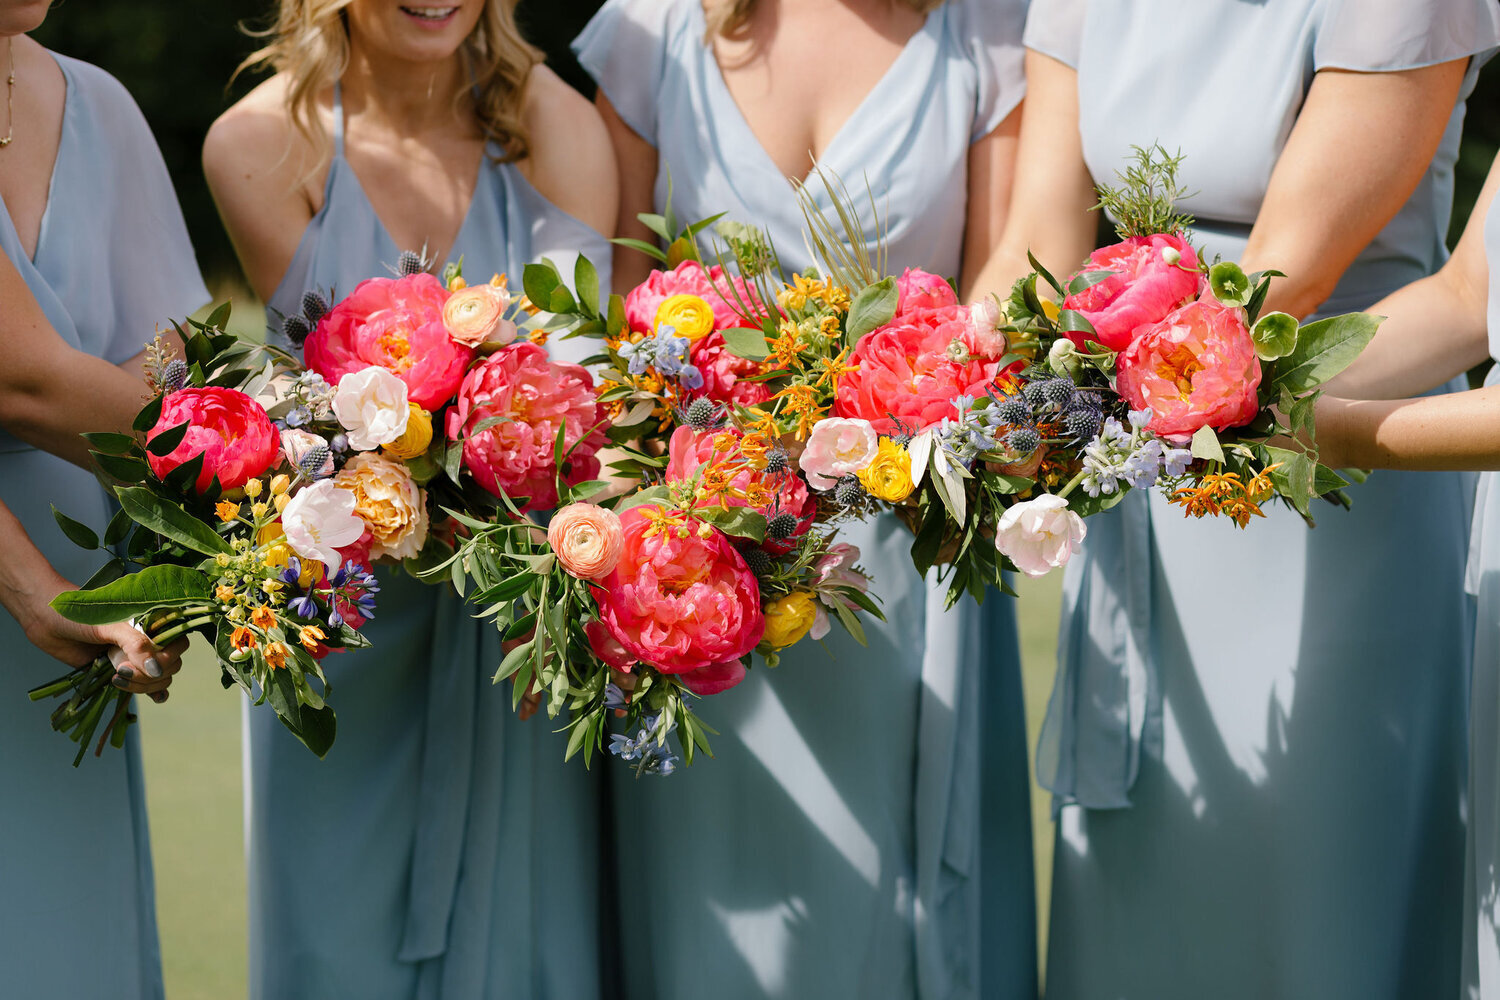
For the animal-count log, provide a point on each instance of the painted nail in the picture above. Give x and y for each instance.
(119, 682)
(153, 669)
(125, 672)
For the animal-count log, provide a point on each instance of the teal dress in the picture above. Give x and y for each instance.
(1482, 884)
(77, 904)
(839, 845)
(1256, 737)
(442, 850)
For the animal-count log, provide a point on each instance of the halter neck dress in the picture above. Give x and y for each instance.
(834, 847)
(443, 850)
(77, 902)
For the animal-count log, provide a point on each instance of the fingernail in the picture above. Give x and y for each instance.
(125, 672)
(153, 669)
(119, 682)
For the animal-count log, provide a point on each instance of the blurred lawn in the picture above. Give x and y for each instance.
(193, 787)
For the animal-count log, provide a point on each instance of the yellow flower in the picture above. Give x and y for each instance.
(253, 488)
(689, 315)
(417, 436)
(280, 484)
(310, 636)
(456, 283)
(276, 654)
(262, 617)
(227, 511)
(223, 594)
(888, 476)
(1051, 310)
(283, 502)
(790, 618)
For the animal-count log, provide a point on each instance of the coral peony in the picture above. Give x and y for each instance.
(389, 501)
(1196, 367)
(724, 374)
(609, 649)
(229, 429)
(1152, 276)
(714, 678)
(690, 450)
(538, 396)
(916, 290)
(678, 599)
(907, 372)
(396, 323)
(586, 539)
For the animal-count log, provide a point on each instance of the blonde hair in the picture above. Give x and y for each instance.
(309, 42)
(726, 17)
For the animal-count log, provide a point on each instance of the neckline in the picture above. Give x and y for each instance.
(715, 74)
(57, 159)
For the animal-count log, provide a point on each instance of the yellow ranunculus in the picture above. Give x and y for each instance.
(689, 315)
(1051, 310)
(417, 436)
(789, 618)
(888, 476)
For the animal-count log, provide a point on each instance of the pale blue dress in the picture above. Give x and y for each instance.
(1257, 737)
(834, 848)
(77, 903)
(442, 850)
(1482, 886)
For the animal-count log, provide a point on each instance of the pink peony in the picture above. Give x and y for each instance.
(679, 600)
(608, 648)
(690, 450)
(906, 371)
(1196, 367)
(723, 373)
(396, 323)
(1144, 288)
(714, 678)
(687, 278)
(229, 429)
(515, 457)
(916, 290)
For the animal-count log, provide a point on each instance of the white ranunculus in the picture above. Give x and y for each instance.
(1039, 535)
(371, 406)
(837, 447)
(320, 520)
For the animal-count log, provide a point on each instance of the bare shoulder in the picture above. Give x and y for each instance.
(255, 141)
(572, 161)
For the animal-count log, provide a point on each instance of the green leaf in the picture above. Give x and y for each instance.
(539, 282)
(872, 308)
(78, 533)
(219, 318)
(171, 521)
(1073, 321)
(109, 443)
(513, 660)
(149, 415)
(743, 342)
(1293, 475)
(124, 468)
(1324, 349)
(741, 522)
(649, 249)
(615, 321)
(651, 494)
(586, 281)
(1229, 283)
(656, 223)
(108, 573)
(1045, 274)
(681, 249)
(1084, 280)
(1206, 445)
(317, 729)
(167, 441)
(562, 301)
(1275, 336)
(136, 594)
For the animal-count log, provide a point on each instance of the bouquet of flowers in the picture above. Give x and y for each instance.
(265, 489)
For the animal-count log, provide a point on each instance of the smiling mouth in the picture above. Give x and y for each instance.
(431, 14)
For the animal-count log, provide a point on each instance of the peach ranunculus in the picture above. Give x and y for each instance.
(396, 323)
(906, 371)
(229, 429)
(1196, 367)
(917, 289)
(389, 501)
(1153, 275)
(586, 539)
(476, 314)
(679, 600)
(690, 450)
(538, 396)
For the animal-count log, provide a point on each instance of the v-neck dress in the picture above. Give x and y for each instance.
(77, 904)
(1257, 736)
(834, 847)
(442, 850)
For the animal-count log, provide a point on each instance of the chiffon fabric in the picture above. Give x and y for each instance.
(442, 850)
(77, 903)
(834, 847)
(1256, 736)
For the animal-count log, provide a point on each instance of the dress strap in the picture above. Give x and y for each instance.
(338, 119)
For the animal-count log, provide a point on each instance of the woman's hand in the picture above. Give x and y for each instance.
(140, 667)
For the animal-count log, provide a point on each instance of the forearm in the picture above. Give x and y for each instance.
(27, 580)
(51, 413)
(1455, 431)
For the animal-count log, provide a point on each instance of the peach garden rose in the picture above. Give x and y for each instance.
(586, 539)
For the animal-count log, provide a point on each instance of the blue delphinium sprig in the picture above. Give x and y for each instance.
(667, 353)
(645, 749)
(1133, 456)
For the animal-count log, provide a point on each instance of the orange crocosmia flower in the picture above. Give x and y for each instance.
(263, 617)
(310, 636)
(227, 511)
(276, 654)
(242, 638)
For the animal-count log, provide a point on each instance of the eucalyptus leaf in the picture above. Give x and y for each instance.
(746, 343)
(167, 441)
(586, 283)
(539, 282)
(109, 442)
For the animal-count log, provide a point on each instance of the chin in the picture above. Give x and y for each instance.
(17, 17)
(419, 30)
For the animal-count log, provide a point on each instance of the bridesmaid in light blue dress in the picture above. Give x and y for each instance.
(443, 849)
(77, 904)
(834, 847)
(1256, 736)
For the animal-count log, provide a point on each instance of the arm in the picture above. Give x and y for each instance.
(1434, 328)
(1361, 143)
(992, 168)
(637, 163)
(1053, 191)
(1458, 430)
(572, 162)
(28, 583)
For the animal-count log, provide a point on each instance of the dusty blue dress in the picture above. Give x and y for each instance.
(834, 848)
(1482, 887)
(442, 851)
(77, 904)
(1257, 736)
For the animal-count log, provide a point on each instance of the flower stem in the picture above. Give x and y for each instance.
(1072, 484)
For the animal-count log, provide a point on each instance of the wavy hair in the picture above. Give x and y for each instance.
(727, 17)
(308, 40)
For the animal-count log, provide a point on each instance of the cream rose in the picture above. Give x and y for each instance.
(389, 501)
(371, 405)
(837, 447)
(320, 520)
(587, 540)
(476, 314)
(1039, 535)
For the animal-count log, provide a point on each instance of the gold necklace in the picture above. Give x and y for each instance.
(10, 95)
